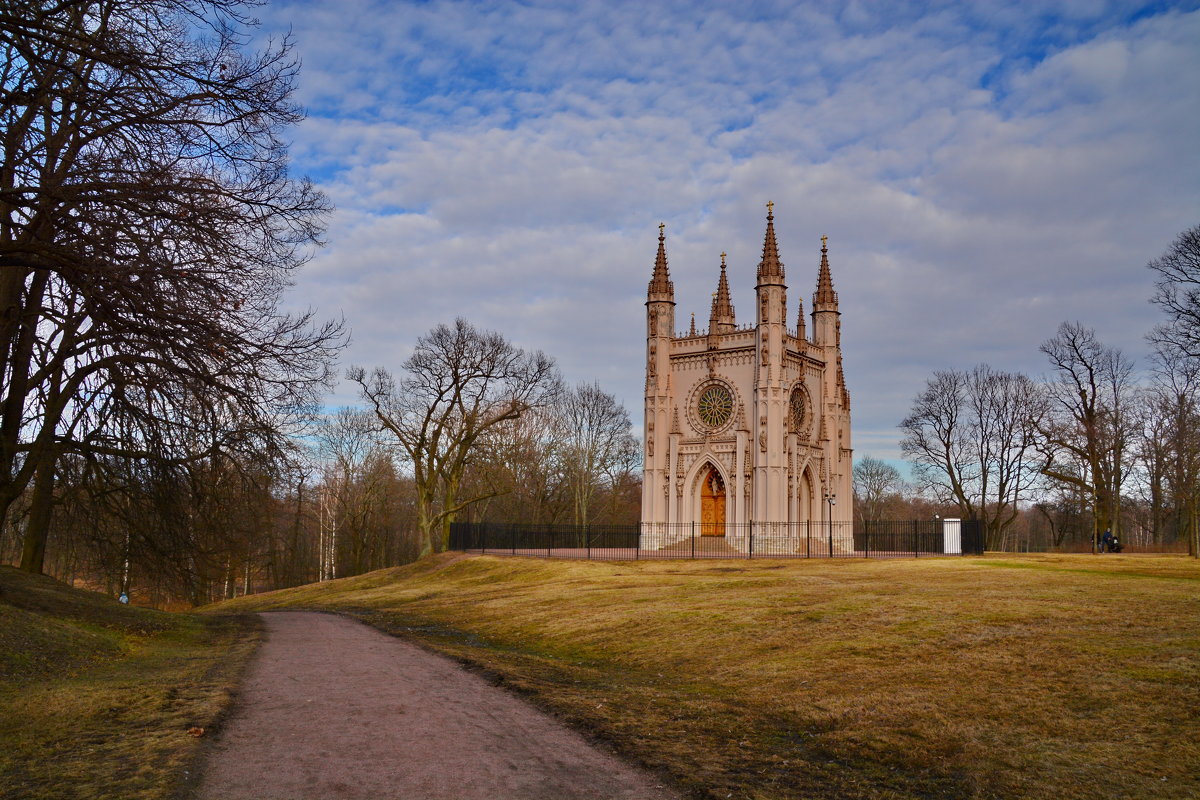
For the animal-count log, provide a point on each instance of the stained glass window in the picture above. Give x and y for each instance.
(715, 406)
(797, 409)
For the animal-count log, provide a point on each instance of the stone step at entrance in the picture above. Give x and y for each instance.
(708, 545)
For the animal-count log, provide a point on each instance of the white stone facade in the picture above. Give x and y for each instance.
(745, 423)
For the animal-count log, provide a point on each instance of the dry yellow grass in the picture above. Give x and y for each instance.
(1038, 676)
(96, 698)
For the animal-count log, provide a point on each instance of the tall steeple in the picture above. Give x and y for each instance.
(721, 319)
(660, 282)
(770, 269)
(825, 298)
(825, 304)
(660, 331)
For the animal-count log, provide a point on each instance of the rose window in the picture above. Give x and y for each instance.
(715, 406)
(797, 410)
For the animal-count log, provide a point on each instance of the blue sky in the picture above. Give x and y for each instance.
(984, 171)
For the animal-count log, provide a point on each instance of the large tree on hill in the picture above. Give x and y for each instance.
(148, 227)
(460, 384)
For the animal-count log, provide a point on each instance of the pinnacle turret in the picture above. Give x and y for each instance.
(660, 282)
(721, 319)
(825, 298)
(770, 269)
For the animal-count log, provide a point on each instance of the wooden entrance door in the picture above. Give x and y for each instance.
(712, 505)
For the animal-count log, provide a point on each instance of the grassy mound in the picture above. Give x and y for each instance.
(97, 698)
(1038, 677)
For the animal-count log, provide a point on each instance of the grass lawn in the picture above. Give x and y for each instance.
(994, 677)
(96, 698)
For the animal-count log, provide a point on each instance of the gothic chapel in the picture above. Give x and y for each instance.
(745, 423)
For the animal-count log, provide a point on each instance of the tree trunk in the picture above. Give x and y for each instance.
(37, 526)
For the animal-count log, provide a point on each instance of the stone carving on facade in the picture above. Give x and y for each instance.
(762, 434)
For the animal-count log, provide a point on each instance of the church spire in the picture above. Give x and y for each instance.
(660, 282)
(770, 268)
(825, 298)
(722, 318)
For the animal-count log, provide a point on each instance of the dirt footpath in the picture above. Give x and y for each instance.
(332, 709)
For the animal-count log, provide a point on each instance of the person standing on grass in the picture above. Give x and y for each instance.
(1106, 542)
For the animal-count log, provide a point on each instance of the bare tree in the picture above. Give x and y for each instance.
(1086, 436)
(874, 481)
(363, 524)
(521, 465)
(971, 438)
(1178, 351)
(1178, 293)
(598, 440)
(460, 383)
(148, 226)
(1169, 446)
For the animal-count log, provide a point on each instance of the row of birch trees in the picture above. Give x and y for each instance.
(472, 427)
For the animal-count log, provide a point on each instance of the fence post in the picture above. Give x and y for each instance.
(693, 539)
(550, 543)
(751, 540)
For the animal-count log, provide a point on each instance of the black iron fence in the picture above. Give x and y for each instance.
(699, 540)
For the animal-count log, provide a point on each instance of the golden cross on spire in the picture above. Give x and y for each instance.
(770, 207)
(722, 259)
(661, 225)
(824, 242)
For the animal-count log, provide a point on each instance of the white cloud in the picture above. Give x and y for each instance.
(983, 172)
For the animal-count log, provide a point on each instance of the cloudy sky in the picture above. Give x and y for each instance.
(983, 170)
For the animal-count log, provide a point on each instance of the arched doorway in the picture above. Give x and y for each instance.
(712, 504)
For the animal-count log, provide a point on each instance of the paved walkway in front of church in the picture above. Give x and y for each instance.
(336, 710)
